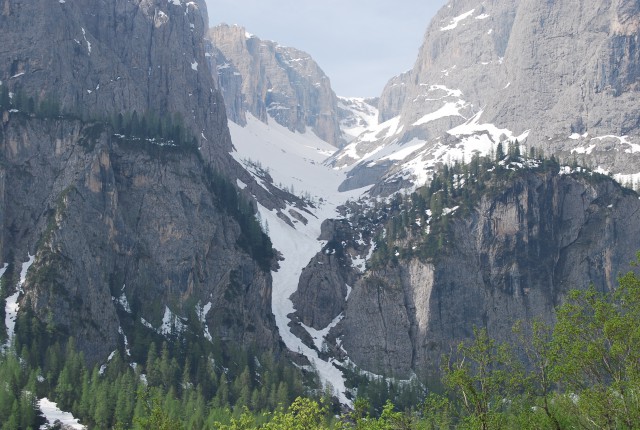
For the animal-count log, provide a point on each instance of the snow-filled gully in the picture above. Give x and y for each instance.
(295, 161)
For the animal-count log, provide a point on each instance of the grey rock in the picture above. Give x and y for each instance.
(513, 258)
(278, 82)
(99, 60)
(322, 288)
(553, 69)
(106, 217)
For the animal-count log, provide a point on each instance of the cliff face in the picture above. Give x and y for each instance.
(513, 258)
(121, 233)
(98, 59)
(561, 77)
(275, 81)
(127, 230)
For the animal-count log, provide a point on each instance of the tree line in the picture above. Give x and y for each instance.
(418, 224)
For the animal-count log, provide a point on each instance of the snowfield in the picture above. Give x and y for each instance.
(295, 161)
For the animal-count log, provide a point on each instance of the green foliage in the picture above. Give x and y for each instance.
(483, 375)
(596, 354)
(584, 373)
(253, 240)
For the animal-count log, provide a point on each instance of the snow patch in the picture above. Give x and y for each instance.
(169, 321)
(449, 109)
(194, 66)
(447, 211)
(122, 301)
(349, 289)
(455, 21)
(11, 304)
(84, 34)
(52, 414)
(408, 149)
(25, 268)
(319, 336)
(296, 160)
(577, 136)
(147, 324)
(483, 16)
(583, 150)
(125, 340)
(202, 314)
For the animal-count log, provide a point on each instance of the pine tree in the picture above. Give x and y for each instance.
(103, 412)
(500, 152)
(221, 399)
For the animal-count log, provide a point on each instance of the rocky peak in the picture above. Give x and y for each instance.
(561, 77)
(272, 81)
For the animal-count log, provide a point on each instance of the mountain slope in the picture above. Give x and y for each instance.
(116, 181)
(561, 77)
(507, 248)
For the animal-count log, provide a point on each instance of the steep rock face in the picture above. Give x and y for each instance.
(563, 76)
(127, 232)
(229, 81)
(514, 257)
(280, 82)
(325, 282)
(99, 59)
(124, 234)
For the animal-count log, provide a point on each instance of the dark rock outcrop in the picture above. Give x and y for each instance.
(107, 217)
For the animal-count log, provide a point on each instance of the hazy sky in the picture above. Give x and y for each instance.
(360, 44)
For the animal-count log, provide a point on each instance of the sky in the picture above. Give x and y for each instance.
(360, 44)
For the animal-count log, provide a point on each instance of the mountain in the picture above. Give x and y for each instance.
(513, 257)
(272, 81)
(561, 78)
(355, 296)
(161, 183)
(119, 211)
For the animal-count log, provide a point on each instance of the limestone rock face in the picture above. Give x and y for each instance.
(111, 224)
(126, 232)
(561, 77)
(514, 258)
(276, 82)
(100, 59)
